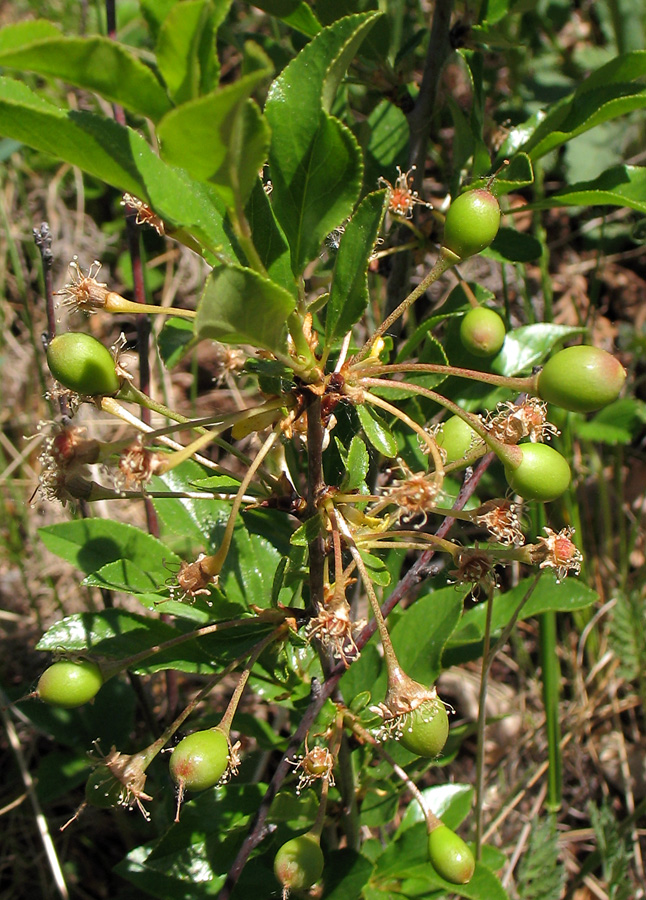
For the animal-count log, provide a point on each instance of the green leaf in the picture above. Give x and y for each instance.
(548, 596)
(418, 646)
(197, 135)
(186, 50)
(510, 245)
(618, 186)
(377, 431)
(528, 346)
(238, 306)
(246, 155)
(117, 634)
(114, 154)
(604, 95)
(125, 575)
(357, 463)
(96, 64)
(295, 13)
(346, 873)
(315, 161)
(269, 240)
(349, 291)
(92, 543)
(175, 340)
(376, 567)
(615, 425)
(449, 802)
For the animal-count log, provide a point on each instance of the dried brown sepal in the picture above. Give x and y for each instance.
(511, 423)
(145, 215)
(500, 518)
(83, 292)
(557, 551)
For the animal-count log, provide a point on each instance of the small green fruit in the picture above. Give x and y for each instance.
(482, 331)
(425, 729)
(472, 222)
(543, 474)
(451, 857)
(299, 862)
(83, 364)
(69, 683)
(200, 760)
(455, 437)
(581, 379)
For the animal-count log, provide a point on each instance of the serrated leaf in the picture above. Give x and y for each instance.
(269, 240)
(604, 95)
(349, 292)
(357, 463)
(618, 186)
(174, 340)
(239, 306)
(307, 532)
(118, 634)
(377, 431)
(528, 346)
(197, 135)
(315, 161)
(114, 154)
(95, 63)
(92, 543)
(418, 646)
(295, 13)
(185, 50)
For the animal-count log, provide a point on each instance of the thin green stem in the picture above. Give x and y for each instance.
(226, 720)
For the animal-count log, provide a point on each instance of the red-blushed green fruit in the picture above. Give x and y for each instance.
(482, 331)
(200, 760)
(581, 379)
(425, 729)
(83, 364)
(543, 474)
(103, 789)
(472, 222)
(299, 862)
(455, 436)
(69, 683)
(451, 857)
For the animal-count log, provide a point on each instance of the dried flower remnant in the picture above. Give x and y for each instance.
(500, 518)
(334, 629)
(401, 198)
(511, 423)
(316, 764)
(192, 580)
(404, 696)
(83, 292)
(63, 460)
(414, 495)
(476, 567)
(145, 215)
(137, 465)
(557, 551)
(128, 770)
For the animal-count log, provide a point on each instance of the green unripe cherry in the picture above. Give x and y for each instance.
(543, 474)
(455, 436)
(425, 729)
(472, 222)
(299, 862)
(482, 331)
(581, 379)
(200, 760)
(451, 857)
(83, 364)
(69, 683)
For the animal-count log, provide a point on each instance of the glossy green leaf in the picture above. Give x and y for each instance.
(548, 596)
(376, 567)
(349, 291)
(357, 463)
(248, 145)
(197, 135)
(125, 575)
(115, 154)
(296, 13)
(377, 431)
(608, 93)
(510, 245)
(118, 634)
(450, 802)
(185, 50)
(383, 137)
(96, 64)
(418, 643)
(528, 346)
(269, 240)
(91, 543)
(238, 306)
(315, 161)
(346, 873)
(618, 186)
(174, 340)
